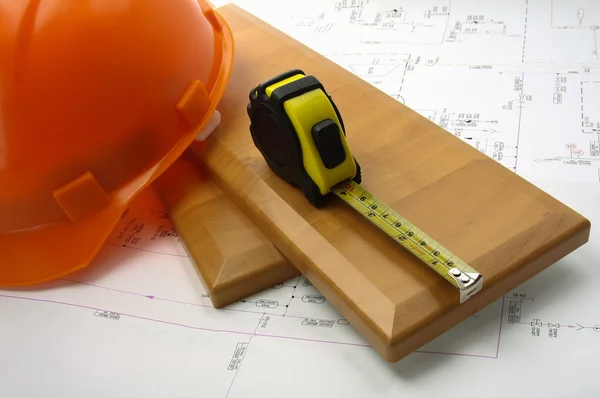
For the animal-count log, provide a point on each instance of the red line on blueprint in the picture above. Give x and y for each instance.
(187, 326)
(153, 297)
(519, 125)
(176, 324)
(107, 288)
(447, 21)
(147, 250)
(500, 326)
(595, 42)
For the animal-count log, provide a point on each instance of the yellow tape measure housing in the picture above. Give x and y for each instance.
(300, 133)
(312, 114)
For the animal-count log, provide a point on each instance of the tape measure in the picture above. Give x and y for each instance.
(299, 131)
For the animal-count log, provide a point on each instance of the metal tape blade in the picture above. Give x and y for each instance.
(445, 263)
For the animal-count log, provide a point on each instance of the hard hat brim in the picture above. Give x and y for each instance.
(51, 251)
(55, 250)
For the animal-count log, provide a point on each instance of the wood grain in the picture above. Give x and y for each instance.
(232, 257)
(502, 225)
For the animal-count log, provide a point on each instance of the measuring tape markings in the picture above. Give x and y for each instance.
(298, 108)
(427, 249)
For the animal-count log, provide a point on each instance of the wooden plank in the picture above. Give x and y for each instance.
(232, 257)
(502, 225)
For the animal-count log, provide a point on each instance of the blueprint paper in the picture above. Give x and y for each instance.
(518, 80)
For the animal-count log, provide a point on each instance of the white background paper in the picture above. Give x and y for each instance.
(520, 80)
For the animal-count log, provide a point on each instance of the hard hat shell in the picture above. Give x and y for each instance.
(97, 99)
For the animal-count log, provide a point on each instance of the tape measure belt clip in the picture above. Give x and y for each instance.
(299, 131)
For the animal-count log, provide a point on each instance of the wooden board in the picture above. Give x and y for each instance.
(232, 257)
(486, 214)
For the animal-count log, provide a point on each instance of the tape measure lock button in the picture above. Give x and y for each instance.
(327, 137)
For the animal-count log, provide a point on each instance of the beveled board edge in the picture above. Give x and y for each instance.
(194, 205)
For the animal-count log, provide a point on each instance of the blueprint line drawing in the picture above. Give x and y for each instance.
(590, 99)
(563, 23)
(571, 103)
(517, 315)
(519, 80)
(576, 15)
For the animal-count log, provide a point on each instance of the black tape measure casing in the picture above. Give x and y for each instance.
(275, 136)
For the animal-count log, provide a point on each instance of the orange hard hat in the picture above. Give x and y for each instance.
(97, 99)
